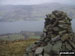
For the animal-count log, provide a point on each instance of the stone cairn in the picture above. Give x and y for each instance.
(57, 36)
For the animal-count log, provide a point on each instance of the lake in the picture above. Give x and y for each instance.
(15, 27)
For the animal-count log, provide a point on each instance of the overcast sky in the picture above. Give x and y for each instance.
(30, 2)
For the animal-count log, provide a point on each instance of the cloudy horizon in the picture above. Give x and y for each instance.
(32, 2)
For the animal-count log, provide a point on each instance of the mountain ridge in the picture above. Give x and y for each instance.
(10, 13)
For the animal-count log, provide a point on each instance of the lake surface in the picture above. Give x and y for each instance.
(15, 27)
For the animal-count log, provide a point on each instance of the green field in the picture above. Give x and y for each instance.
(13, 37)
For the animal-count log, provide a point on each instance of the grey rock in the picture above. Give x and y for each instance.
(57, 34)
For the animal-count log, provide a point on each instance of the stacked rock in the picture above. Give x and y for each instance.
(57, 34)
(55, 23)
(58, 28)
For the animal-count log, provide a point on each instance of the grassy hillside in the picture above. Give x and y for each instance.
(15, 48)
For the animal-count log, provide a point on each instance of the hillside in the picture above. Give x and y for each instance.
(32, 12)
(15, 48)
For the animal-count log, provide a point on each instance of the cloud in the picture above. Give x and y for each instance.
(29, 2)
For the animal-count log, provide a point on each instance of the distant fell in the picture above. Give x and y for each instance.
(12, 13)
